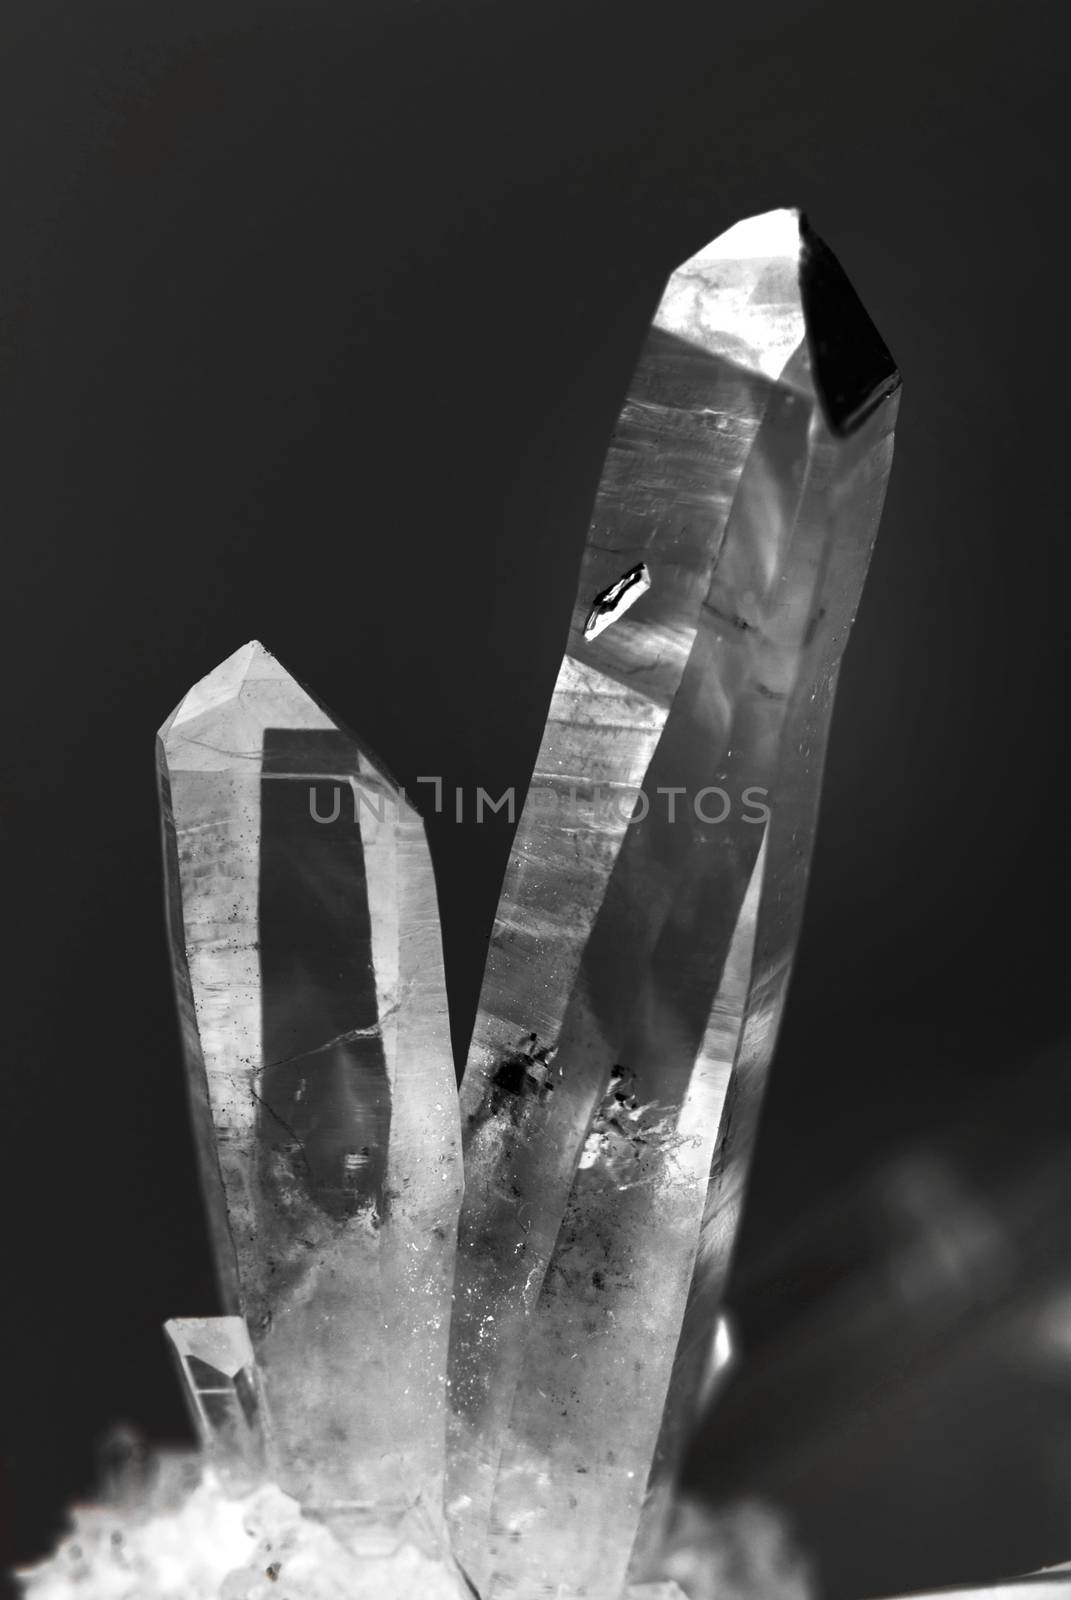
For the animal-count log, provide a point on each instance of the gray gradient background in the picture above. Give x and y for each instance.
(313, 325)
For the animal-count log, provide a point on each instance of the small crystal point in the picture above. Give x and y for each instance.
(308, 968)
(222, 1389)
(640, 956)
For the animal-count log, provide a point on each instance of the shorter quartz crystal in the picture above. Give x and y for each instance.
(219, 1375)
(308, 971)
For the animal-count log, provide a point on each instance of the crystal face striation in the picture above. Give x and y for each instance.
(529, 1358)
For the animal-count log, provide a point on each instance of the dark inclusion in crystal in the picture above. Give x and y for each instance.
(617, 599)
(525, 1074)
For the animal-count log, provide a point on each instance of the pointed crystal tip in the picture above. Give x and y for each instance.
(739, 296)
(771, 297)
(219, 1342)
(770, 235)
(223, 684)
(219, 724)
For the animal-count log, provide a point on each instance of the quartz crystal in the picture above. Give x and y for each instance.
(650, 908)
(308, 965)
(540, 1353)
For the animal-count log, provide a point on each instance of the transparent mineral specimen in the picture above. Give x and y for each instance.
(631, 1000)
(647, 922)
(308, 966)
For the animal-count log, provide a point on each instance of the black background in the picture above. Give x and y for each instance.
(314, 321)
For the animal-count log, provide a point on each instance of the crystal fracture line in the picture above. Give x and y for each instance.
(309, 973)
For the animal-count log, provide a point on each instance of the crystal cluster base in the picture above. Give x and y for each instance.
(202, 1543)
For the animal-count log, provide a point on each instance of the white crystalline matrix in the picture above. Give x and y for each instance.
(212, 1546)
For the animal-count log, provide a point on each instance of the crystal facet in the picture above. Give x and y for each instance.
(648, 917)
(308, 966)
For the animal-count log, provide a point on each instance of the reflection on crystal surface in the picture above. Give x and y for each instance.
(639, 961)
(308, 966)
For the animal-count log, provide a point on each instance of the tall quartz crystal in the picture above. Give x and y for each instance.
(308, 965)
(650, 909)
